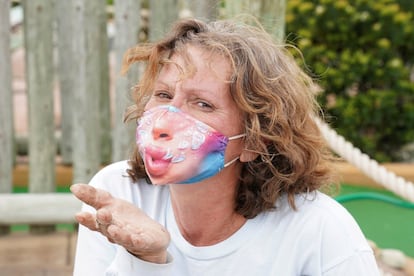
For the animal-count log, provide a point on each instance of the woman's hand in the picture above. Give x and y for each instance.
(123, 223)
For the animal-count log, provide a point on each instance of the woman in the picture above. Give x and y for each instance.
(226, 174)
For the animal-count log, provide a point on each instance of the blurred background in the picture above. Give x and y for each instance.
(63, 97)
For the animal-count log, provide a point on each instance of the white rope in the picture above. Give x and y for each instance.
(368, 166)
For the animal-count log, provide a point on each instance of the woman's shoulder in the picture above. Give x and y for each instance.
(319, 214)
(331, 220)
(319, 229)
(327, 211)
(311, 204)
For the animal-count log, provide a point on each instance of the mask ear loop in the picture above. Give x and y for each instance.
(231, 162)
(237, 136)
(237, 158)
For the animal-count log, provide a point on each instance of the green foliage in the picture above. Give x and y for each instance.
(362, 52)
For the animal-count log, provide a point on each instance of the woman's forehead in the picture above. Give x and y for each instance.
(195, 61)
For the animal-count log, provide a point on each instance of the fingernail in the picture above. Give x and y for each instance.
(79, 218)
(74, 188)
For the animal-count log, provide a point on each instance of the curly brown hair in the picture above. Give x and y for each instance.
(276, 97)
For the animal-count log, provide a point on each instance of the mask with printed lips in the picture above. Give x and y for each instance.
(177, 148)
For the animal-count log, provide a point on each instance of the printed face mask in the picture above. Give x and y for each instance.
(177, 148)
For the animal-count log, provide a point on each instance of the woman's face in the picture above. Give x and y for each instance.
(205, 96)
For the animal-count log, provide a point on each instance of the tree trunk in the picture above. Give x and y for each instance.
(65, 38)
(6, 104)
(86, 124)
(127, 23)
(38, 26)
(162, 14)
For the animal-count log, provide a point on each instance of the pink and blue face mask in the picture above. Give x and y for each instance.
(179, 149)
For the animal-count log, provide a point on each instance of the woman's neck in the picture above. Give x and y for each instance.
(205, 213)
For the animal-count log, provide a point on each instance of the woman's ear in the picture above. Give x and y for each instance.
(248, 155)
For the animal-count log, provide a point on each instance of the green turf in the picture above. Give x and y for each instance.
(59, 227)
(388, 224)
(64, 189)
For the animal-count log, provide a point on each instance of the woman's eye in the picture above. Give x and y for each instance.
(204, 105)
(162, 95)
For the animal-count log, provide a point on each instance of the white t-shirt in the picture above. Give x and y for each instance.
(320, 238)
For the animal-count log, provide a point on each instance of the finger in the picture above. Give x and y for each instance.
(110, 240)
(96, 198)
(133, 241)
(88, 220)
(122, 237)
(104, 217)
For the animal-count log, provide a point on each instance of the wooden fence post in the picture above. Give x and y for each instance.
(104, 104)
(38, 27)
(87, 96)
(67, 77)
(127, 24)
(65, 38)
(162, 14)
(270, 13)
(6, 104)
(272, 16)
(205, 9)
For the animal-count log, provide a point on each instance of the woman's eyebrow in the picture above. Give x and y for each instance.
(164, 84)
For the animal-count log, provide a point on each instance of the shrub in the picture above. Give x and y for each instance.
(362, 54)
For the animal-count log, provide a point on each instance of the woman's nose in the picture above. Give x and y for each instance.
(161, 133)
(162, 128)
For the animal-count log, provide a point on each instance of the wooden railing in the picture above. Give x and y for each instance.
(53, 208)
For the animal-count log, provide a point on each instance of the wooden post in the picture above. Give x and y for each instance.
(104, 104)
(67, 76)
(205, 9)
(270, 13)
(162, 14)
(38, 26)
(272, 16)
(237, 7)
(127, 24)
(6, 104)
(65, 38)
(86, 122)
